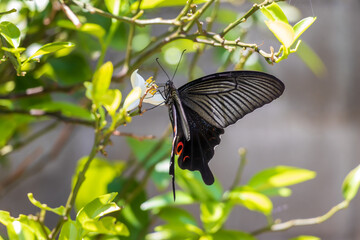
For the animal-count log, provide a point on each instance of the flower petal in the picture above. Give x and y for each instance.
(138, 81)
(133, 99)
(155, 100)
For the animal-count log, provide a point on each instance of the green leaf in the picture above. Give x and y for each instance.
(9, 124)
(192, 183)
(97, 179)
(70, 69)
(280, 176)
(132, 215)
(351, 184)
(274, 12)
(20, 231)
(59, 210)
(11, 33)
(311, 59)
(302, 25)
(231, 235)
(101, 83)
(106, 225)
(113, 6)
(251, 199)
(175, 216)
(214, 215)
(40, 231)
(149, 148)
(149, 4)
(304, 237)
(282, 31)
(67, 109)
(274, 192)
(174, 231)
(5, 218)
(71, 230)
(111, 100)
(166, 200)
(97, 208)
(50, 48)
(89, 28)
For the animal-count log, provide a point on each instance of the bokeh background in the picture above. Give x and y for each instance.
(314, 125)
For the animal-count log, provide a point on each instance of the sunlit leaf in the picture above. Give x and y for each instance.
(51, 48)
(282, 31)
(166, 200)
(251, 199)
(106, 225)
(214, 215)
(111, 100)
(89, 28)
(280, 176)
(71, 230)
(303, 237)
(20, 231)
(175, 231)
(351, 184)
(175, 215)
(231, 235)
(302, 25)
(274, 12)
(9, 124)
(11, 33)
(59, 210)
(274, 192)
(97, 208)
(98, 177)
(113, 6)
(311, 59)
(5, 218)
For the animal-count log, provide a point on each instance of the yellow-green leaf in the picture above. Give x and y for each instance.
(51, 48)
(282, 31)
(351, 184)
(251, 199)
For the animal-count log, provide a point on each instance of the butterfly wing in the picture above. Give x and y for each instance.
(196, 153)
(210, 104)
(223, 98)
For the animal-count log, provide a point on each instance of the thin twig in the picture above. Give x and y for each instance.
(140, 138)
(20, 169)
(302, 222)
(28, 140)
(247, 15)
(70, 14)
(243, 160)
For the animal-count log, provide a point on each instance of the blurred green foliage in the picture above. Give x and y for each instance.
(53, 69)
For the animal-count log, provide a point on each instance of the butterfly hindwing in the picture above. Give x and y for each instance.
(196, 153)
(223, 98)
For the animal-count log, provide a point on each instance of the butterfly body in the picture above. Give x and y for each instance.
(201, 109)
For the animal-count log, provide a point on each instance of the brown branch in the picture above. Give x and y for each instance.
(39, 91)
(20, 169)
(41, 113)
(70, 14)
(140, 138)
(46, 159)
(247, 15)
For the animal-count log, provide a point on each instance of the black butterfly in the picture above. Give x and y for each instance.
(200, 110)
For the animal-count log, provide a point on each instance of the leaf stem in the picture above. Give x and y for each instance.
(302, 222)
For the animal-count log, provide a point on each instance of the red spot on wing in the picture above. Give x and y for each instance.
(179, 148)
(186, 157)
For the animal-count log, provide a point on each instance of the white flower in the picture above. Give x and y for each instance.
(147, 87)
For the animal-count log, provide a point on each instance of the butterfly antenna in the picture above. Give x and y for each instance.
(157, 60)
(178, 64)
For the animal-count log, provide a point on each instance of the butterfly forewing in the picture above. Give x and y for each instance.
(223, 98)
